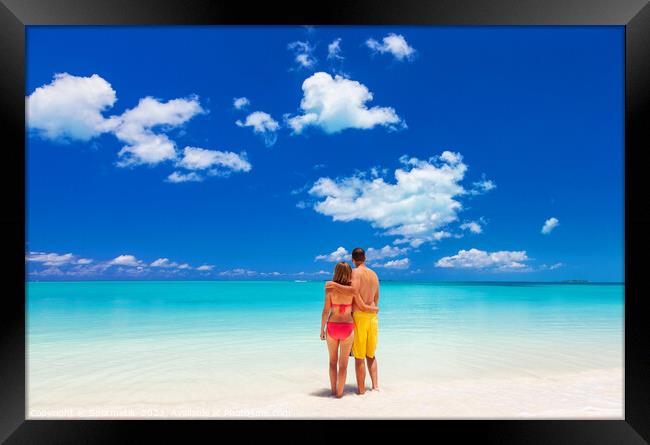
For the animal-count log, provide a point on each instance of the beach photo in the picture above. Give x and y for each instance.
(324, 222)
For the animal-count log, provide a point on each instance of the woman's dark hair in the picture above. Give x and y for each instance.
(343, 273)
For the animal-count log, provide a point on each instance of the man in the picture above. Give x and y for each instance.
(366, 282)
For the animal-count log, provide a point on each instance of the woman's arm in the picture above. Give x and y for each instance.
(324, 316)
(362, 304)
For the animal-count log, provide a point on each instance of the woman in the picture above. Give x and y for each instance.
(337, 312)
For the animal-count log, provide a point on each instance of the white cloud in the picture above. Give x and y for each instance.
(302, 273)
(372, 254)
(306, 60)
(336, 103)
(50, 259)
(177, 177)
(55, 259)
(551, 267)
(262, 124)
(217, 163)
(417, 242)
(83, 270)
(70, 107)
(195, 158)
(260, 121)
(125, 260)
(50, 271)
(135, 126)
(150, 112)
(404, 263)
(472, 226)
(167, 263)
(387, 251)
(148, 149)
(340, 254)
(163, 262)
(450, 157)
(71, 265)
(240, 102)
(334, 49)
(139, 270)
(303, 52)
(441, 234)
(482, 187)
(479, 259)
(88, 270)
(247, 273)
(238, 272)
(270, 274)
(421, 201)
(394, 44)
(549, 225)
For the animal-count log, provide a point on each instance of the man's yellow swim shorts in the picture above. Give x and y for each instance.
(365, 334)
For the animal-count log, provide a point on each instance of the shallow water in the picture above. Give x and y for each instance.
(172, 342)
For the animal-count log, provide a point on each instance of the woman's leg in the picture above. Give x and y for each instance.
(333, 347)
(344, 356)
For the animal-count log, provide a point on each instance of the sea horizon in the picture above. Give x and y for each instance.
(327, 279)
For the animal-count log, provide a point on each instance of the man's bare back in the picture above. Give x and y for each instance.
(366, 281)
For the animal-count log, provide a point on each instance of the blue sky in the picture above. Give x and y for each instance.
(444, 149)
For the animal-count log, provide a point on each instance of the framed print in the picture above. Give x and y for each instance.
(452, 195)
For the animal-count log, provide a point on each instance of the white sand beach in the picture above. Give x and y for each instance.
(578, 395)
(589, 394)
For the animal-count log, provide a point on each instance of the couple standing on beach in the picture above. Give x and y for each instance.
(350, 311)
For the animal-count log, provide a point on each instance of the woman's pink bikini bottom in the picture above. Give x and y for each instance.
(339, 330)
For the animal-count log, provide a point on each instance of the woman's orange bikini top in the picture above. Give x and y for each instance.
(334, 288)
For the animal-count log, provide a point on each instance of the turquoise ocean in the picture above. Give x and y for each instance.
(119, 339)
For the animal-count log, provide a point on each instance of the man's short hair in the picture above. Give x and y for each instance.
(358, 254)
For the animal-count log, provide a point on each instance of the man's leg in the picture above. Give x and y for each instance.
(372, 369)
(360, 368)
(371, 347)
(359, 351)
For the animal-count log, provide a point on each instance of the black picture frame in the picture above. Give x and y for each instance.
(633, 14)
